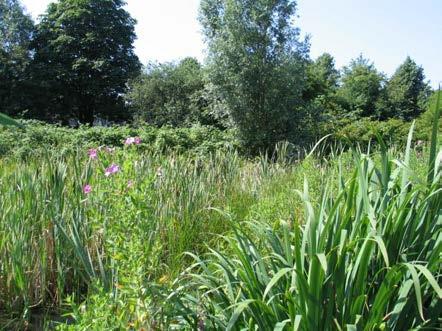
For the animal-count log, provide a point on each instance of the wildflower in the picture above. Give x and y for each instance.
(93, 153)
(111, 170)
(87, 189)
(130, 184)
(133, 140)
(129, 141)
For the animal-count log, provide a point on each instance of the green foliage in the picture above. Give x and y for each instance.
(322, 77)
(361, 88)
(40, 138)
(7, 121)
(407, 91)
(110, 258)
(393, 131)
(111, 246)
(365, 257)
(320, 96)
(16, 29)
(84, 56)
(364, 131)
(172, 94)
(256, 61)
(427, 118)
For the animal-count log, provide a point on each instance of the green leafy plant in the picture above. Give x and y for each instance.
(365, 257)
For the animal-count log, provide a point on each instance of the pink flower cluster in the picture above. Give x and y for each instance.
(93, 153)
(113, 168)
(87, 189)
(133, 141)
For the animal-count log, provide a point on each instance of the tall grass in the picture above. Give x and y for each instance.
(57, 242)
(364, 257)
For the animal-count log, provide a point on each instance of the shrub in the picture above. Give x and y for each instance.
(39, 138)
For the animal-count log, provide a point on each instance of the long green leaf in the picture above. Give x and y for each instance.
(433, 147)
(7, 121)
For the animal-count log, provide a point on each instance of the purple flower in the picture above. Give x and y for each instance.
(87, 189)
(111, 170)
(93, 153)
(137, 140)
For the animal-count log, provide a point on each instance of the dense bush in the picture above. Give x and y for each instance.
(366, 130)
(39, 137)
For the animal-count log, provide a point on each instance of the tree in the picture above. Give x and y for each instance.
(322, 77)
(16, 30)
(162, 95)
(407, 91)
(320, 92)
(361, 88)
(257, 62)
(175, 94)
(84, 56)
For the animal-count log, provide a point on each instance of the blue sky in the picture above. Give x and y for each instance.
(385, 31)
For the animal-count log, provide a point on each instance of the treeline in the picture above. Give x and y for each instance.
(77, 65)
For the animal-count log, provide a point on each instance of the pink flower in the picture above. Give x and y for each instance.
(87, 189)
(133, 140)
(111, 170)
(129, 141)
(130, 184)
(93, 153)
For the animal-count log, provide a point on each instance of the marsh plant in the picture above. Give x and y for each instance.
(130, 238)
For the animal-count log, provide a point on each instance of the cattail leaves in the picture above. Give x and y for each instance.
(7, 121)
(366, 257)
(433, 147)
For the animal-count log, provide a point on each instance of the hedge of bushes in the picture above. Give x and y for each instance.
(393, 131)
(39, 137)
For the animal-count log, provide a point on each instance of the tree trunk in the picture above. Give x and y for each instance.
(86, 113)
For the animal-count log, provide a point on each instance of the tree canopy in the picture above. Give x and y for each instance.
(16, 29)
(78, 63)
(361, 87)
(84, 56)
(257, 61)
(407, 91)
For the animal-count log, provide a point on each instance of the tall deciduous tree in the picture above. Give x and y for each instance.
(256, 60)
(16, 28)
(407, 91)
(361, 88)
(84, 56)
